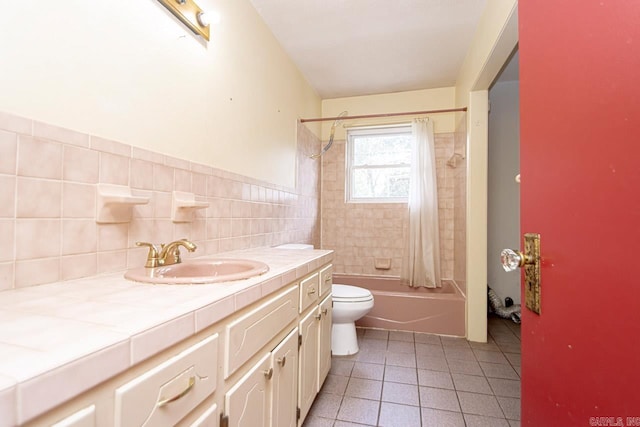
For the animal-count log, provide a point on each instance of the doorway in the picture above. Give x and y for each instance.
(503, 218)
(503, 194)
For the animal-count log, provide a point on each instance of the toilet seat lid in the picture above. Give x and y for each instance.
(350, 293)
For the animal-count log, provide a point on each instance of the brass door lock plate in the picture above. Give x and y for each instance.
(532, 272)
(529, 259)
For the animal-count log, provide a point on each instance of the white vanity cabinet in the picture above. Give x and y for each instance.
(249, 333)
(262, 366)
(308, 367)
(247, 403)
(167, 393)
(324, 339)
(83, 418)
(209, 418)
(284, 360)
(266, 395)
(326, 280)
(315, 337)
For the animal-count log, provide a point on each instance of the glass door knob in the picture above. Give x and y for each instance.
(511, 259)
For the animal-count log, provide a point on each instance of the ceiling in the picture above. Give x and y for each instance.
(361, 47)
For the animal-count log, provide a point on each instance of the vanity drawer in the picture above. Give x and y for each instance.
(326, 280)
(83, 418)
(168, 392)
(209, 418)
(249, 333)
(309, 289)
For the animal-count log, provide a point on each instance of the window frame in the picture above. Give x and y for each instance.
(396, 129)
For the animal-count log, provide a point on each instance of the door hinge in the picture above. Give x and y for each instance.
(224, 420)
(299, 341)
(297, 414)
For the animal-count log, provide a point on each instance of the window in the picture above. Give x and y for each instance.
(378, 164)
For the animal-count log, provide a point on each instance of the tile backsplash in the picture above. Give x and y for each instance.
(48, 178)
(361, 232)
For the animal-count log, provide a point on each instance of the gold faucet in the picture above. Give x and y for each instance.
(167, 254)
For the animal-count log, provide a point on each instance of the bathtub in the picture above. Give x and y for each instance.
(397, 307)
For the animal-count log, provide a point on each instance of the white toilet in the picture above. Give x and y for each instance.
(350, 303)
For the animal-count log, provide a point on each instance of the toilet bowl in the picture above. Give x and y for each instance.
(350, 303)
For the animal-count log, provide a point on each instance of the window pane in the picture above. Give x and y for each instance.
(374, 150)
(380, 182)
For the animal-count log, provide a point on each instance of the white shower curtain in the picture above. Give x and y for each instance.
(421, 260)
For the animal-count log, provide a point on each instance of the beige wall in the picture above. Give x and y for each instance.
(417, 100)
(495, 39)
(130, 72)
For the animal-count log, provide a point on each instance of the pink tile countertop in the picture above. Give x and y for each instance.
(61, 339)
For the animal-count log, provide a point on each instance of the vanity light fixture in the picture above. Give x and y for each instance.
(190, 14)
(203, 19)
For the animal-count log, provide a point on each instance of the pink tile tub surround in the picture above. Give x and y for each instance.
(47, 203)
(460, 209)
(361, 232)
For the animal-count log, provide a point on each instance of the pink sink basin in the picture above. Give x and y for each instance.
(199, 271)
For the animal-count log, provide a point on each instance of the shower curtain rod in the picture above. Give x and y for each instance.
(370, 116)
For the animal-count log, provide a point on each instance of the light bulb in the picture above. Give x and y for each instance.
(203, 19)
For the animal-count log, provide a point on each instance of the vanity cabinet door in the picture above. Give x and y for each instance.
(248, 402)
(284, 360)
(324, 347)
(308, 366)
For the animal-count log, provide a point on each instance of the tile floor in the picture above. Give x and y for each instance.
(405, 379)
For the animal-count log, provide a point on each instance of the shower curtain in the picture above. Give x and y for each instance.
(421, 260)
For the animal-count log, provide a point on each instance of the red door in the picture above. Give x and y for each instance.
(580, 167)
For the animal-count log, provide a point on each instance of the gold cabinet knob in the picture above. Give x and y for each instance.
(268, 373)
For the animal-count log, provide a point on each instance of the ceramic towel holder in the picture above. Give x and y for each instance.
(115, 203)
(184, 205)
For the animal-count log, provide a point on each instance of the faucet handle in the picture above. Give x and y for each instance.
(152, 256)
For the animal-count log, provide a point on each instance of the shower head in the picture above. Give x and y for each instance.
(339, 120)
(336, 122)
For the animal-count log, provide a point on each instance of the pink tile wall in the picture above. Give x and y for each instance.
(48, 177)
(460, 209)
(360, 233)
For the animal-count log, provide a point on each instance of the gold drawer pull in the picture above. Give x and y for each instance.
(325, 311)
(311, 291)
(268, 373)
(163, 402)
(282, 361)
(318, 316)
(327, 279)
